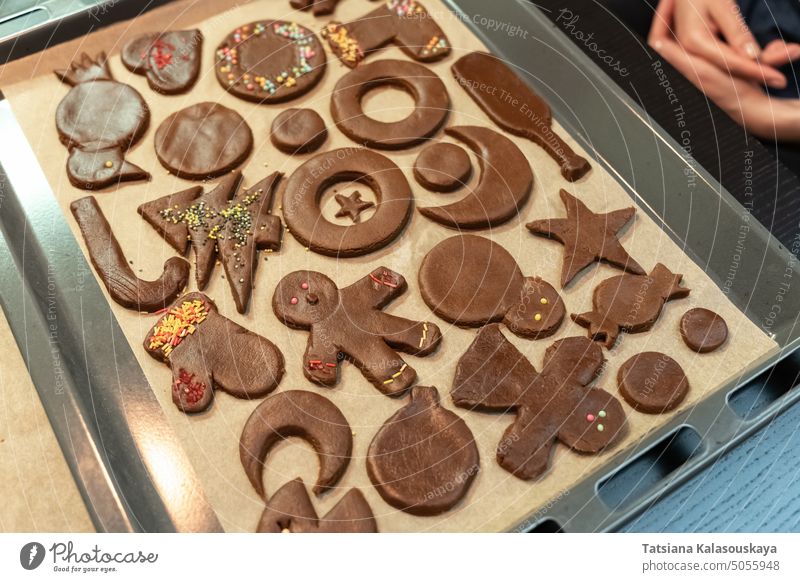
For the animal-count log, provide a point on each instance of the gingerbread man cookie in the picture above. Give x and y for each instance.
(348, 323)
(555, 404)
(207, 350)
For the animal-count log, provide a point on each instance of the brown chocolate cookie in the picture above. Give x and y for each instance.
(228, 222)
(206, 350)
(471, 281)
(349, 323)
(516, 108)
(442, 167)
(703, 331)
(405, 23)
(423, 459)
(503, 188)
(555, 404)
(587, 237)
(297, 413)
(432, 104)
(113, 269)
(270, 61)
(305, 188)
(631, 303)
(298, 131)
(318, 7)
(99, 120)
(170, 60)
(290, 510)
(203, 141)
(652, 382)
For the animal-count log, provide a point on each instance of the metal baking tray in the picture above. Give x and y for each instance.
(132, 472)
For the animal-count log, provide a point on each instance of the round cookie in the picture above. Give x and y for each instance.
(270, 61)
(304, 189)
(203, 141)
(424, 458)
(442, 167)
(471, 281)
(429, 93)
(652, 382)
(703, 330)
(298, 131)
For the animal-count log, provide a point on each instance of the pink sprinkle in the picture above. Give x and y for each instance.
(294, 302)
(590, 417)
(304, 286)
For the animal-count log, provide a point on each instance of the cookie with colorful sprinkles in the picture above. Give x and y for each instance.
(270, 61)
(206, 350)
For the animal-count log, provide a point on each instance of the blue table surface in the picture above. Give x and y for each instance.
(753, 488)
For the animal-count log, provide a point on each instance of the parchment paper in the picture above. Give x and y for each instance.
(497, 500)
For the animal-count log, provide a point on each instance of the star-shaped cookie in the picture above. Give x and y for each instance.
(352, 206)
(587, 237)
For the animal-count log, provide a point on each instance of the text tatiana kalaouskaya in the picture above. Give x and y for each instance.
(709, 549)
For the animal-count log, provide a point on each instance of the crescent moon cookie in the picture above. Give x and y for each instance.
(555, 404)
(471, 281)
(206, 350)
(423, 459)
(442, 167)
(297, 413)
(631, 303)
(203, 141)
(98, 121)
(652, 382)
(109, 261)
(228, 222)
(270, 61)
(304, 190)
(406, 23)
(503, 188)
(349, 323)
(587, 237)
(169, 60)
(298, 131)
(290, 510)
(703, 331)
(432, 104)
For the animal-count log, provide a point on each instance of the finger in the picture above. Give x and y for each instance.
(662, 21)
(734, 29)
(733, 63)
(778, 53)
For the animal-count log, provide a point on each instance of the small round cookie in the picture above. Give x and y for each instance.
(429, 93)
(703, 330)
(203, 141)
(270, 61)
(304, 190)
(298, 131)
(652, 382)
(442, 167)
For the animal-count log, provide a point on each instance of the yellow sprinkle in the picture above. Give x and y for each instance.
(389, 381)
(538, 317)
(543, 301)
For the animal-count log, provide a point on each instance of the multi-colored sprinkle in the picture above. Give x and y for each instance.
(302, 39)
(177, 324)
(187, 389)
(343, 44)
(590, 418)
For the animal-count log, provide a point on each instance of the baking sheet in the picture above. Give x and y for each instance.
(497, 500)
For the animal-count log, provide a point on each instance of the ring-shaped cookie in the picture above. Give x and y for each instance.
(304, 190)
(432, 104)
(270, 61)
